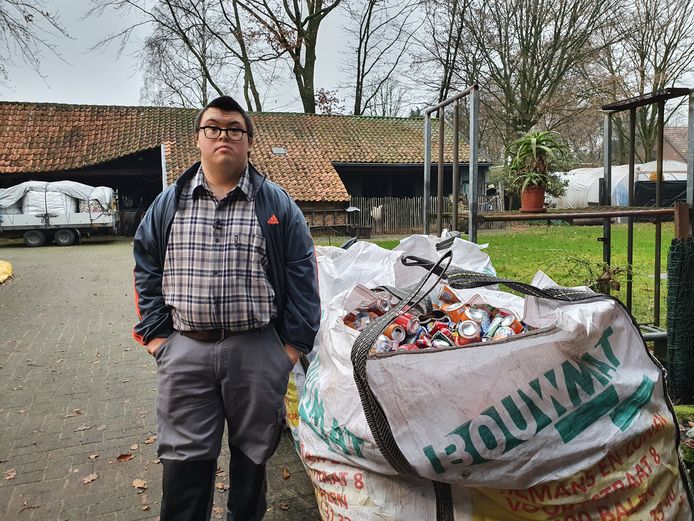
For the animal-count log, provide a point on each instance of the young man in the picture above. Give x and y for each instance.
(227, 295)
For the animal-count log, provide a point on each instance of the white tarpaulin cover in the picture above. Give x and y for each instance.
(583, 187)
(568, 422)
(10, 196)
(48, 202)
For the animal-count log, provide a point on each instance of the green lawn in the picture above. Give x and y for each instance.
(568, 254)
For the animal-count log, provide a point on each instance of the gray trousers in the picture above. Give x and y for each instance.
(240, 381)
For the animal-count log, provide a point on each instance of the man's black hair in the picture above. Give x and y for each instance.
(227, 104)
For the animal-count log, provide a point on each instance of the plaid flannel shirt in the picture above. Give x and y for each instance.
(215, 269)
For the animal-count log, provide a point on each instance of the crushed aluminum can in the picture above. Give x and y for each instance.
(480, 316)
(447, 295)
(358, 320)
(407, 347)
(408, 322)
(494, 325)
(438, 326)
(503, 332)
(423, 342)
(440, 343)
(455, 312)
(513, 323)
(383, 344)
(468, 332)
(379, 306)
(440, 336)
(395, 332)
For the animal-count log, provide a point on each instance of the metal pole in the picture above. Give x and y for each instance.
(630, 220)
(427, 170)
(690, 153)
(456, 166)
(439, 179)
(607, 192)
(472, 169)
(658, 204)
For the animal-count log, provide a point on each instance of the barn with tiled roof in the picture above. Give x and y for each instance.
(321, 160)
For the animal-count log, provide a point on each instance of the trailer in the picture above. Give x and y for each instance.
(60, 212)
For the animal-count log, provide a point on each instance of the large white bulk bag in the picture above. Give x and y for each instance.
(568, 422)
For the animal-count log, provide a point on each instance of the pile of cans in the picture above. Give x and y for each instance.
(451, 323)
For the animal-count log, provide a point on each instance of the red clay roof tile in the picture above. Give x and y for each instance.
(46, 137)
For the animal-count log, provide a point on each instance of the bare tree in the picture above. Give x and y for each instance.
(438, 61)
(25, 29)
(656, 52)
(293, 31)
(383, 31)
(196, 48)
(530, 47)
(182, 64)
(389, 100)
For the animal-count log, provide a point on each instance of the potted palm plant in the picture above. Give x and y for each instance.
(532, 158)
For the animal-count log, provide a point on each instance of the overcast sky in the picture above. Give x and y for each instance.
(83, 76)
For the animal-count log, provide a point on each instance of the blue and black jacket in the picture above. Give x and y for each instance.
(293, 272)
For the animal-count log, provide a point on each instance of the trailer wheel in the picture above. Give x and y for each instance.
(65, 237)
(33, 238)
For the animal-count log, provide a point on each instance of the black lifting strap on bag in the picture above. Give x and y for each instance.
(458, 278)
(375, 416)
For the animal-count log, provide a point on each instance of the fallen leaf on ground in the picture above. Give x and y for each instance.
(217, 512)
(89, 478)
(150, 439)
(221, 486)
(10, 474)
(75, 412)
(143, 413)
(125, 457)
(27, 506)
(140, 484)
(93, 456)
(283, 506)
(134, 446)
(83, 428)
(22, 411)
(146, 508)
(285, 473)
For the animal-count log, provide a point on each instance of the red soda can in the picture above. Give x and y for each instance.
(423, 342)
(410, 323)
(438, 326)
(407, 347)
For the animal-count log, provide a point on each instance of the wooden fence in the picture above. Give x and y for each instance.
(394, 215)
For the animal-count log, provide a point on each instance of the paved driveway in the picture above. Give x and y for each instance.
(77, 393)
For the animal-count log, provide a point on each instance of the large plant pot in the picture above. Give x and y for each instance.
(533, 200)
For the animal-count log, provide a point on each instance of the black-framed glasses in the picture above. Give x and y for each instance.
(234, 134)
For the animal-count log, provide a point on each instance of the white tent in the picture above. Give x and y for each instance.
(583, 189)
